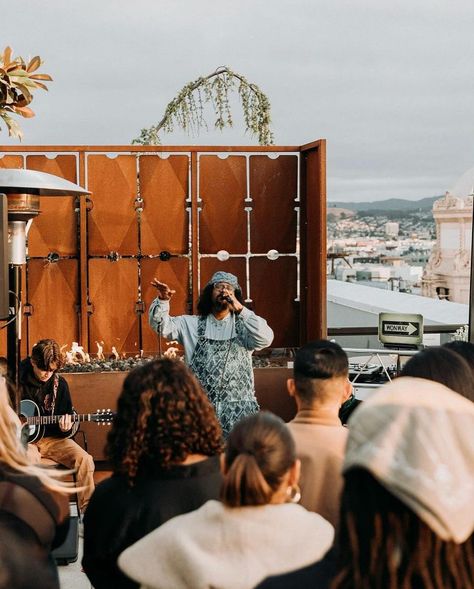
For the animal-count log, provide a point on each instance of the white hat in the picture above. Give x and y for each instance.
(416, 437)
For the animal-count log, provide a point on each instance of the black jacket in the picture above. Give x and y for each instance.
(42, 392)
(119, 515)
(318, 575)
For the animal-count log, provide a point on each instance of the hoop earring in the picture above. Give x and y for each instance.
(294, 494)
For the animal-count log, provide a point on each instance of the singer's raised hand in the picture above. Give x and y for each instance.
(164, 291)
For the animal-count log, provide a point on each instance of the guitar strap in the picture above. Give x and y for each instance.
(55, 391)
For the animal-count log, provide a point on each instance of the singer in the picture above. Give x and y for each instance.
(218, 343)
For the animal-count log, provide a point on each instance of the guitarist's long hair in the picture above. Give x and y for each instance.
(14, 456)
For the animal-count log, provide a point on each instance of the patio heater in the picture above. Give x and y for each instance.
(20, 192)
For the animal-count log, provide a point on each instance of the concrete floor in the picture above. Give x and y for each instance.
(71, 575)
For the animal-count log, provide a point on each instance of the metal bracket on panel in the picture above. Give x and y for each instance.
(139, 307)
(165, 256)
(90, 308)
(139, 204)
(28, 309)
(113, 256)
(87, 200)
(53, 257)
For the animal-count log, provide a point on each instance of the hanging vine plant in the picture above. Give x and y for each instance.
(18, 80)
(186, 110)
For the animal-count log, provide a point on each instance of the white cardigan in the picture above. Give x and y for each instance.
(220, 547)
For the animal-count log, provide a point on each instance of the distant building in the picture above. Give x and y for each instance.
(392, 228)
(447, 273)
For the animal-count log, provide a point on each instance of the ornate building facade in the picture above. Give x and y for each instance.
(447, 274)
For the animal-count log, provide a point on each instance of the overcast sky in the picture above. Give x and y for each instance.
(390, 85)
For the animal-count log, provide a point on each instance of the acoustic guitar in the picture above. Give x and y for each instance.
(31, 418)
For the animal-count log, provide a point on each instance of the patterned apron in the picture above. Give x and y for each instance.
(224, 369)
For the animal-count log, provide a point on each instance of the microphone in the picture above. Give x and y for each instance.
(228, 299)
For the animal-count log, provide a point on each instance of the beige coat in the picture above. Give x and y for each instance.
(221, 547)
(320, 445)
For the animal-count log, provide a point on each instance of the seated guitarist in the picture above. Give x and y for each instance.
(40, 382)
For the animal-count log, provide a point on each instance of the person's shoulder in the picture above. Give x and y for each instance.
(318, 574)
(109, 493)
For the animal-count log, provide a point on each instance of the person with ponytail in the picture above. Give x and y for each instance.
(257, 528)
(34, 507)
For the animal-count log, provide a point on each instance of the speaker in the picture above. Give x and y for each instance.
(68, 551)
(4, 305)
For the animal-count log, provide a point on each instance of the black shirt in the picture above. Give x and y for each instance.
(119, 515)
(42, 393)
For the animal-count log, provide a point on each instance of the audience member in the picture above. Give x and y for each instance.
(22, 565)
(466, 350)
(40, 383)
(164, 449)
(319, 386)
(443, 365)
(33, 505)
(10, 386)
(407, 519)
(256, 530)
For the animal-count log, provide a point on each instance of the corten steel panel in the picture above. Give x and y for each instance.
(112, 220)
(164, 189)
(89, 393)
(11, 161)
(53, 293)
(55, 229)
(113, 293)
(273, 188)
(175, 273)
(273, 290)
(222, 220)
(313, 243)
(234, 265)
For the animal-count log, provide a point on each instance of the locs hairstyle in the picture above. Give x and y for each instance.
(381, 543)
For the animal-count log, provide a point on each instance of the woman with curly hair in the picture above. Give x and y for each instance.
(164, 450)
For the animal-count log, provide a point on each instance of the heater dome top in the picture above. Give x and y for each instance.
(40, 183)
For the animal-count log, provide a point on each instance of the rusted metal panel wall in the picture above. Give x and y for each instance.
(167, 212)
(51, 295)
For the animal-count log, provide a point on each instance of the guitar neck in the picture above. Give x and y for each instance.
(51, 419)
